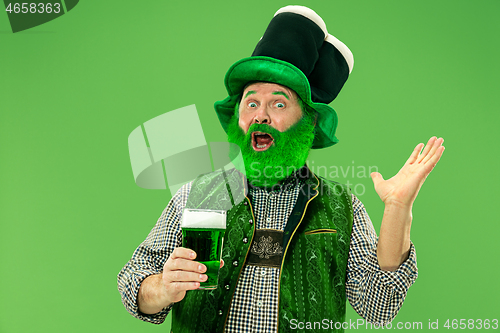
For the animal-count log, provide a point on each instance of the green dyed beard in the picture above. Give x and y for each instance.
(287, 154)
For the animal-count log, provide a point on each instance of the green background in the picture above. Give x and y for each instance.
(73, 89)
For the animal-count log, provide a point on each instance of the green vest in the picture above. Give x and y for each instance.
(313, 266)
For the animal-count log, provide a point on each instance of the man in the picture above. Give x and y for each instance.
(326, 246)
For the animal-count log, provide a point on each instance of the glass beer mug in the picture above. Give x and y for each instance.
(203, 232)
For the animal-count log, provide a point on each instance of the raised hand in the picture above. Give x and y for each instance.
(402, 189)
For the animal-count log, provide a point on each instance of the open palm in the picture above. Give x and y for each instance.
(402, 189)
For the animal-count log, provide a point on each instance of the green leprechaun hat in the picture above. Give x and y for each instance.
(296, 51)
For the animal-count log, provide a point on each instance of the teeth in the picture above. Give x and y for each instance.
(259, 146)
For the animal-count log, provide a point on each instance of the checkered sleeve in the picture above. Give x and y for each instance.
(151, 255)
(376, 295)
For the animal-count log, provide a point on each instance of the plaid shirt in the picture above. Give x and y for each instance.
(376, 295)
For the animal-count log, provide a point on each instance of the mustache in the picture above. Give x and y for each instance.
(264, 128)
(276, 134)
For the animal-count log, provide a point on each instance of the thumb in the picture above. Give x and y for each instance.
(221, 263)
(377, 178)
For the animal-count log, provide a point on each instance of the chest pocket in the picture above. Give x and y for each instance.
(320, 231)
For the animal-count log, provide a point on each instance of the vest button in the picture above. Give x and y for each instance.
(227, 287)
(245, 203)
(221, 313)
(245, 240)
(250, 221)
(235, 263)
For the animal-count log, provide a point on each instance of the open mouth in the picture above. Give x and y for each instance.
(261, 141)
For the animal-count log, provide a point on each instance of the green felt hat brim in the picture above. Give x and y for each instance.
(267, 69)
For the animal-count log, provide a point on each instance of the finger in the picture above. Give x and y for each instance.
(433, 150)
(435, 159)
(182, 252)
(177, 290)
(377, 178)
(221, 263)
(184, 265)
(414, 155)
(183, 276)
(178, 287)
(427, 148)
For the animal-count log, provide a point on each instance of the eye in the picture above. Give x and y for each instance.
(252, 105)
(280, 105)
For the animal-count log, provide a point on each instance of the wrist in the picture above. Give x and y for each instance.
(398, 204)
(152, 296)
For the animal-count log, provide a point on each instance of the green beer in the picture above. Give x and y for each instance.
(207, 243)
(203, 232)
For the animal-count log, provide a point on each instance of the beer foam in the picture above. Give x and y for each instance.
(203, 218)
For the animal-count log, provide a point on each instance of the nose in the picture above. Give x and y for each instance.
(262, 116)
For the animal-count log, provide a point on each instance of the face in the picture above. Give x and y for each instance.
(271, 104)
(273, 136)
